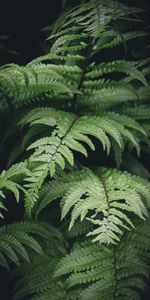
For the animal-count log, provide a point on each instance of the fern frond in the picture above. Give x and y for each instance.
(94, 16)
(116, 38)
(17, 238)
(123, 66)
(9, 181)
(106, 273)
(35, 280)
(68, 133)
(107, 199)
(22, 84)
(84, 30)
(140, 112)
(107, 98)
(81, 99)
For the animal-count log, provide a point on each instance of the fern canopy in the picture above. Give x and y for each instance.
(99, 272)
(82, 228)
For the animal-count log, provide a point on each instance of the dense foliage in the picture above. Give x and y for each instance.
(82, 230)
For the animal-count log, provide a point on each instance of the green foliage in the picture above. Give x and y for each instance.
(107, 198)
(36, 280)
(63, 106)
(8, 181)
(99, 272)
(15, 238)
(67, 134)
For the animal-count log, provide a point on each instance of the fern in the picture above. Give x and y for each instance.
(106, 198)
(20, 84)
(8, 181)
(102, 272)
(69, 131)
(99, 272)
(62, 106)
(35, 280)
(15, 238)
(40, 81)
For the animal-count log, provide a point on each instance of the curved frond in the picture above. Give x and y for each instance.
(36, 280)
(16, 240)
(107, 199)
(69, 133)
(9, 180)
(99, 272)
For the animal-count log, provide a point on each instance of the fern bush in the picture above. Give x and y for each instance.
(84, 230)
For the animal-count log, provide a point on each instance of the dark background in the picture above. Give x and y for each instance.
(22, 21)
